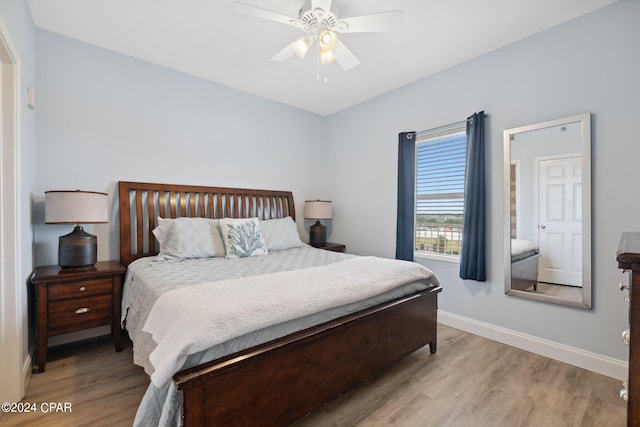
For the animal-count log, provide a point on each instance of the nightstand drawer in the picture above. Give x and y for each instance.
(80, 289)
(80, 313)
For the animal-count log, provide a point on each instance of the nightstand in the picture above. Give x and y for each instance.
(334, 247)
(69, 300)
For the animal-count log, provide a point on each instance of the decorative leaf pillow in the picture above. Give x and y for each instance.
(280, 233)
(184, 238)
(242, 237)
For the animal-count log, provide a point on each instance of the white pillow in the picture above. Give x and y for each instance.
(162, 229)
(183, 238)
(242, 237)
(280, 233)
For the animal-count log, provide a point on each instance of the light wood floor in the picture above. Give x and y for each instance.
(572, 293)
(470, 381)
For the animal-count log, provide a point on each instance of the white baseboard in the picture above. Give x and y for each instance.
(573, 356)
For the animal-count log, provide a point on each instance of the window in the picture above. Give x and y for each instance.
(440, 171)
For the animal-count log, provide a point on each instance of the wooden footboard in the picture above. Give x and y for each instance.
(279, 382)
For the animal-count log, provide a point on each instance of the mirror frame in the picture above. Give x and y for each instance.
(585, 132)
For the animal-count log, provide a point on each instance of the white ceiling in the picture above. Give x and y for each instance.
(205, 38)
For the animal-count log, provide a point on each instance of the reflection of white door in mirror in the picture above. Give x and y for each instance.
(560, 219)
(547, 211)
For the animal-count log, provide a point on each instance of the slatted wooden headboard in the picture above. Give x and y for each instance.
(141, 204)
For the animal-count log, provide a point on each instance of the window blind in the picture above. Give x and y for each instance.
(440, 170)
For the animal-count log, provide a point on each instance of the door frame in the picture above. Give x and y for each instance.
(12, 374)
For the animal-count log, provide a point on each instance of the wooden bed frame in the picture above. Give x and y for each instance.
(282, 380)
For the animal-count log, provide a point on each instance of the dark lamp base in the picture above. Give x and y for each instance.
(317, 235)
(77, 249)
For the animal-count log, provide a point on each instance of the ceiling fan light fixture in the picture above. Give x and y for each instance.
(301, 46)
(328, 40)
(327, 57)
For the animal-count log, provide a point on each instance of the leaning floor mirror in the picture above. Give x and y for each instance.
(547, 188)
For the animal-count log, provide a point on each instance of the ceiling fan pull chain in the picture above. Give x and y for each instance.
(318, 65)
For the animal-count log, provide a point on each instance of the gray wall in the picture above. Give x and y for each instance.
(587, 65)
(105, 117)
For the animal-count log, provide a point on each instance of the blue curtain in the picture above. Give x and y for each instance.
(472, 257)
(406, 195)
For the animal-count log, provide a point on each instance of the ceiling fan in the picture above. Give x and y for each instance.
(319, 23)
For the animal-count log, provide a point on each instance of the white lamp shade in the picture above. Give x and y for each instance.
(301, 46)
(317, 209)
(76, 207)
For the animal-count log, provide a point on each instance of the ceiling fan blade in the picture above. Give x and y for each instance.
(322, 4)
(258, 12)
(284, 54)
(384, 21)
(345, 57)
(299, 46)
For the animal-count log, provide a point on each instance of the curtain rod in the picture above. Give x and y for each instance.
(440, 128)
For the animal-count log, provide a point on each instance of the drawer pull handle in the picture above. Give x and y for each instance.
(82, 310)
(82, 289)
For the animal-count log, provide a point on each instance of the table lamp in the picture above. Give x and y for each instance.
(317, 209)
(78, 248)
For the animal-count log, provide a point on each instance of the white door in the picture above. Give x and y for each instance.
(560, 220)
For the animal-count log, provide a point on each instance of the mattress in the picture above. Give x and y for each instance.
(147, 279)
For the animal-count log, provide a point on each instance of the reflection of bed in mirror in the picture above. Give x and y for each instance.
(524, 265)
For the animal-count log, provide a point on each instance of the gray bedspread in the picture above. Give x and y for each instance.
(147, 279)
